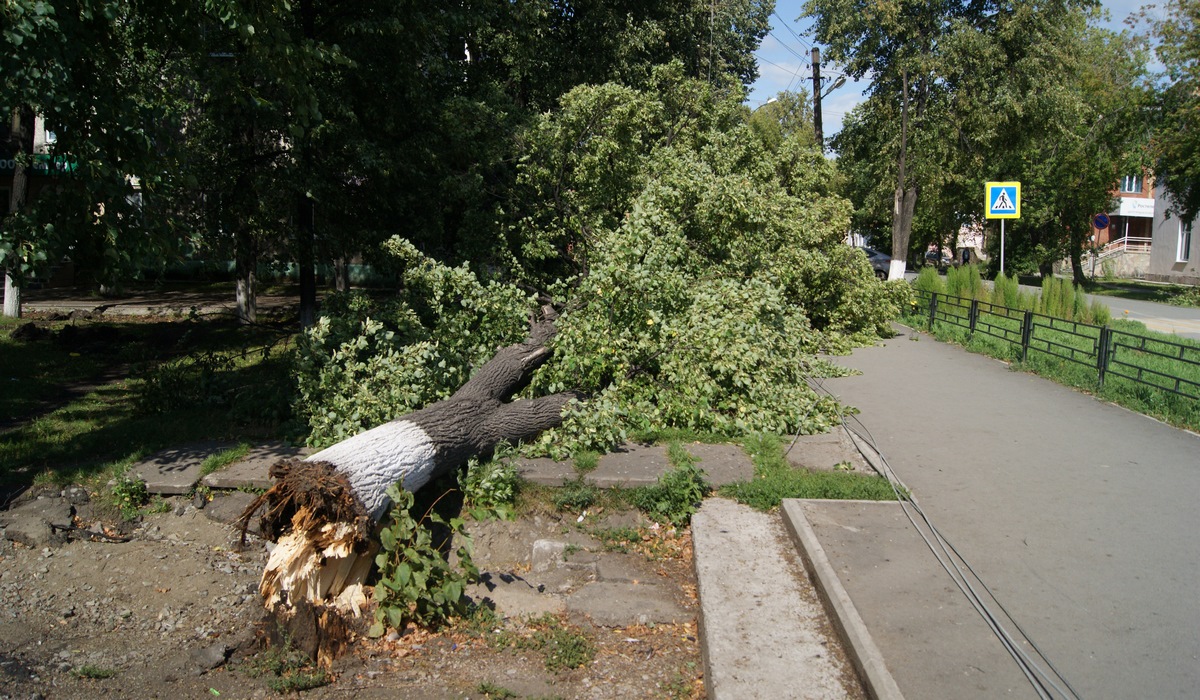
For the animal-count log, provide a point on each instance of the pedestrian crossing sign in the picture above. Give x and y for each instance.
(1003, 200)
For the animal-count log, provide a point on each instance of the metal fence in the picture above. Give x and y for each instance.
(1160, 364)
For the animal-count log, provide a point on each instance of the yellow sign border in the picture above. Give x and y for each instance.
(987, 200)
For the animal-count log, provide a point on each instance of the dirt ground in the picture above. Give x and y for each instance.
(174, 612)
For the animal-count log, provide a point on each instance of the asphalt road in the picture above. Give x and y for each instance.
(1080, 515)
(1181, 320)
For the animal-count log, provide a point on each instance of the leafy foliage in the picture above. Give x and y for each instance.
(416, 582)
(368, 360)
(1175, 146)
(129, 495)
(696, 283)
(489, 486)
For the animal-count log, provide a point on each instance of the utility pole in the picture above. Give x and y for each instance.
(816, 66)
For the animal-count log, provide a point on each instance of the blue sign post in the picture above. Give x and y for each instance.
(1002, 200)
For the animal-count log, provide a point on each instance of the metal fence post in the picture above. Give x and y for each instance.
(973, 315)
(932, 308)
(1102, 355)
(1026, 334)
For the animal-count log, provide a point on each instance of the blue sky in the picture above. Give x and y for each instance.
(784, 60)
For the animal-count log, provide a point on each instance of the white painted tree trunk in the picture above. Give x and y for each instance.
(12, 297)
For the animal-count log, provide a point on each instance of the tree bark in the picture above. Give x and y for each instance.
(21, 123)
(341, 274)
(12, 296)
(246, 271)
(904, 201)
(322, 510)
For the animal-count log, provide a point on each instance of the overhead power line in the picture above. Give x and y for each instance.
(789, 49)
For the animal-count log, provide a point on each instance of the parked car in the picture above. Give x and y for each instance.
(880, 262)
(932, 258)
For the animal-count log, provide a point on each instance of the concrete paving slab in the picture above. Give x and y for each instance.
(515, 597)
(612, 604)
(545, 471)
(631, 465)
(921, 628)
(763, 629)
(722, 464)
(176, 470)
(642, 465)
(826, 452)
(228, 508)
(251, 470)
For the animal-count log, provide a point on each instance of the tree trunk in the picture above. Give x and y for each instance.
(341, 274)
(904, 201)
(1076, 253)
(21, 122)
(322, 510)
(246, 271)
(12, 296)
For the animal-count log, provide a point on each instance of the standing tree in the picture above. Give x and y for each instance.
(896, 43)
(1175, 146)
(93, 71)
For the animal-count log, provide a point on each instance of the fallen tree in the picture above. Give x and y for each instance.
(322, 510)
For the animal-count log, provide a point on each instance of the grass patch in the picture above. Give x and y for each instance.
(93, 672)
(223, 458)
(491, 690)
(617, 539)
(1136, 290)
(564, 647)
(678, 493)
(285, 668)
(775, 479)
(586, 462)
(126, 389)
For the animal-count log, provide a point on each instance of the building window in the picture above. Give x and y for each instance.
(1131, 184)
(1185, 243)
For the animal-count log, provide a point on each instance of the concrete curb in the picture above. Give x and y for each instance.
(860, 647)
(760, 622)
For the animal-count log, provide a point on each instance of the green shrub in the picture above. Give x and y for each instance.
(416, 582)
(928, 280)
(1006, 291)
(489, 487)
(129, 495)
(367, 361)
(964, 281)
(678, 493)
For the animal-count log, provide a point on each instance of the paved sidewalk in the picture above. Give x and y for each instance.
(1078, 514)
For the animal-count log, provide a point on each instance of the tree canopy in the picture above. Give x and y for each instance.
(1175, 147)
(965, 92)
